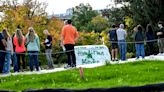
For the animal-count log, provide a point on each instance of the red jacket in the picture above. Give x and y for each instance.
(18, 48)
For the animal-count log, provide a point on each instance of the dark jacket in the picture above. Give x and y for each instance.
(161, 30)
(139, 37)
(48, 42)
(150, 37)
(2, 47)
(113, 35)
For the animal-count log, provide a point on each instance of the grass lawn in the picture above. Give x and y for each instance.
(130, 74)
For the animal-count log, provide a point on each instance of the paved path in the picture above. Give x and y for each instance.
(152, 57)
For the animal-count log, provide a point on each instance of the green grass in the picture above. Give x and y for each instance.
(130, 74)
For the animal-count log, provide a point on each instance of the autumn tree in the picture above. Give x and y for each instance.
(28, 13)
(82, 16)
(99, 23)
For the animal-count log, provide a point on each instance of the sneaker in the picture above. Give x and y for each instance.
(6, 73)
(73, 66)
(37, 69)
(116, 59)
(152, 55)
(40, 68)
(159, 54)
(137, 58)
(67, 66)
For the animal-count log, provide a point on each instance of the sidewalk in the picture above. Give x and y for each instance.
(152, 57)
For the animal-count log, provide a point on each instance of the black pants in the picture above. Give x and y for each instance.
(19, 57)
(70, 54)
(150, 49)
(2, 60)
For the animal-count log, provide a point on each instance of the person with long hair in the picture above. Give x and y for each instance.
(48, 51)
(139, 39)
(14, 57)
(9, 51)
(19, 42)
(150, 37)
(33, 48)
(2, 51)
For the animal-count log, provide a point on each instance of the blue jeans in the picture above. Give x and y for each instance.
(2, 60)
(49, 57)
(15, 63)
(140, 50)
(33, 59)
(6, 68)
(122, 49)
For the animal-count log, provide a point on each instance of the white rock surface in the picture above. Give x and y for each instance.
(151, 57)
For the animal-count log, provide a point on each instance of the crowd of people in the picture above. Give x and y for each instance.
(117, 37)
(13, 48)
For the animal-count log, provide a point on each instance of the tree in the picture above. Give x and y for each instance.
(99, 23)
(154, 10)
(117, 16)
(146, 11)
(34, 8)
(26, 14)
(82, 16)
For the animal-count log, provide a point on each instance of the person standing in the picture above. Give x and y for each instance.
(48, 51)
(19, 42)
(121, 36)
(9, 51)
(160, 35)
(33, 48)
(114, 42)
(2, 51)
(14, 57)
(139, 39)
(69, 36)
(150, 37)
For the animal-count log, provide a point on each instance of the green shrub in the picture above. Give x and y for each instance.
(130, 55)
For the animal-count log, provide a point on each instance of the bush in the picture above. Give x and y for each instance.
(130, 55)
(59, 56)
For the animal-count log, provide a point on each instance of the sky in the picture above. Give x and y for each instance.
(60, 6)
